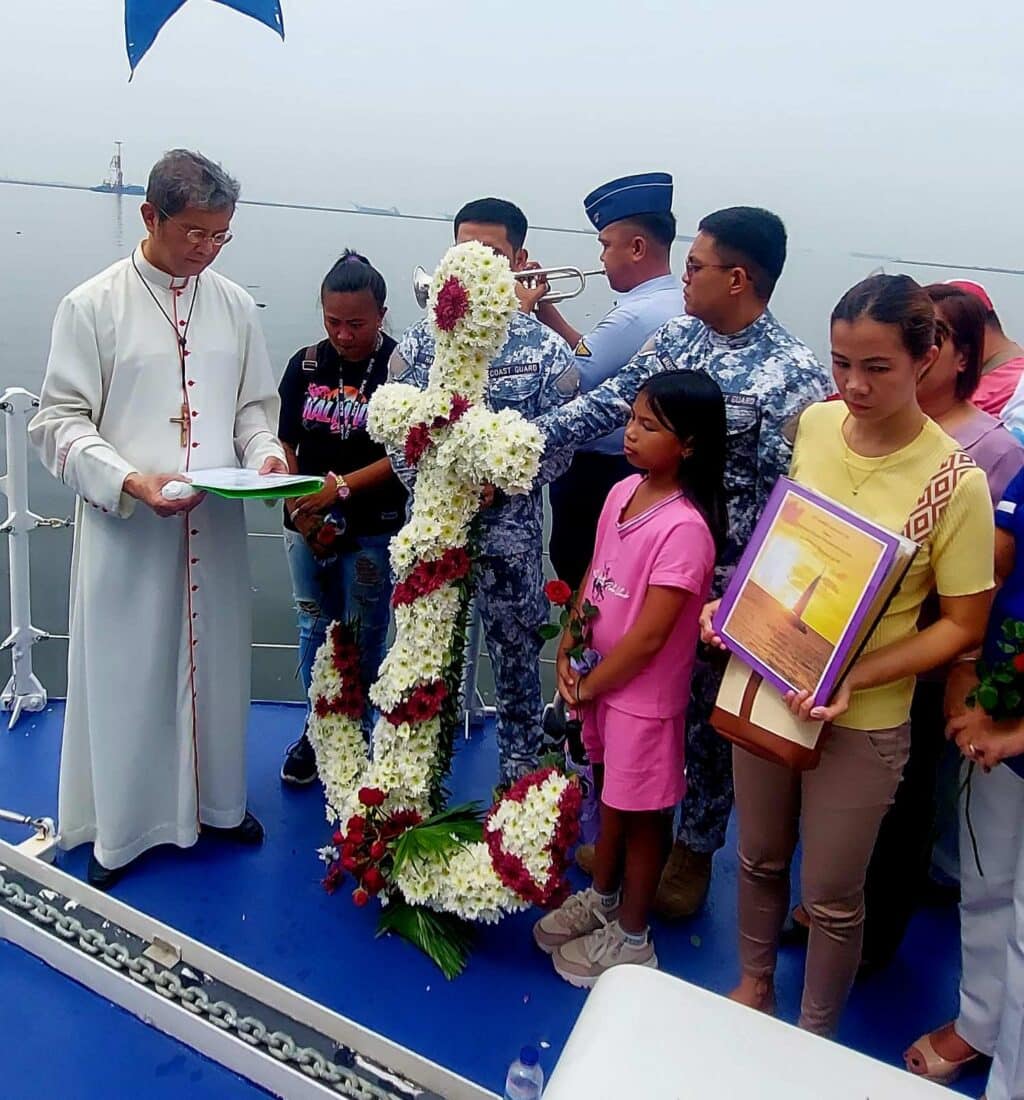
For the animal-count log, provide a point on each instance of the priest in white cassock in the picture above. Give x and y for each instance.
(158, 367)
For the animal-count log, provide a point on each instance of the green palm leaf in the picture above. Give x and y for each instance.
(442, 937)
(438, 838)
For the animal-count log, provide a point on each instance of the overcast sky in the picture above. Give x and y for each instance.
(881, 125)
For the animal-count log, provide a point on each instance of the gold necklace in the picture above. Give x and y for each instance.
(856, 486)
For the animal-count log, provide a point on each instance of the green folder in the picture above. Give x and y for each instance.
(292, 485)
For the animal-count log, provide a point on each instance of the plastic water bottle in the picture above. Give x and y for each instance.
(525, 1079)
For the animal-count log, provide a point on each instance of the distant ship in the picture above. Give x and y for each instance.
(376, 209)
(114, 183)
(123, 189)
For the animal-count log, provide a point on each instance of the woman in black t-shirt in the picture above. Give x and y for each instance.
(337, 539)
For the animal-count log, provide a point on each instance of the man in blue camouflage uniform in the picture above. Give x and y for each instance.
(533, 373)
(767, 377)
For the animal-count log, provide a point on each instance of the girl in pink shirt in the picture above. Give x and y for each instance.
(649, 577)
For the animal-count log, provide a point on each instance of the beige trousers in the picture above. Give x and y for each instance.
(835, 810)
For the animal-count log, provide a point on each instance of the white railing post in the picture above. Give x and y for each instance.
(23, 691)
(474, 708)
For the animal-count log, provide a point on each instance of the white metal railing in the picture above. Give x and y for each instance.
(24, 692)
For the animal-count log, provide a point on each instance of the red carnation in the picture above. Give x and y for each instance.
(333, 878)
(460, 406)
(399, 821)
(360, 897)
(1018, 662)
(371, 796)
(558, 592)
(416, 443)
(452, 304)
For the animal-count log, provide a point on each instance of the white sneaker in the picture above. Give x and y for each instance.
(579, 914)
(582, 961)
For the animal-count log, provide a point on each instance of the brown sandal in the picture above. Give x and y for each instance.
(933, 1067)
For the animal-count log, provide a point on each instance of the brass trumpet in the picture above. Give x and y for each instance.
(421, 282)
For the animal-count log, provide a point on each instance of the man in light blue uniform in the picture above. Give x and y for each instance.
(767, 377)
(636, 228)
(533, 374)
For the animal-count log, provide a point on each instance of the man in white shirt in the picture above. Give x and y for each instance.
(158, 367)
(636, 228)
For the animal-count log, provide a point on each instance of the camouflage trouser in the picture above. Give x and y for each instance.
(512, 606)
(708, 801)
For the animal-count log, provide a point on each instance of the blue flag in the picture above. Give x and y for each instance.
(143, 20)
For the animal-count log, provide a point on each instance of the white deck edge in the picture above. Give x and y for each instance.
(152, 1008)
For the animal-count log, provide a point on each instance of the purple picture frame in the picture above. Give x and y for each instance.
(889, 545)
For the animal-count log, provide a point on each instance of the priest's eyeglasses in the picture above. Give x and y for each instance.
(197, 236)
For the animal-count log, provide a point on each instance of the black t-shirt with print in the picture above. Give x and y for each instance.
(323, 419)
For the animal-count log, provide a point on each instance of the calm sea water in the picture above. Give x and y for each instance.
(52, 239)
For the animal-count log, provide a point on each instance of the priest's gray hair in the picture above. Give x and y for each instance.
(181, 178)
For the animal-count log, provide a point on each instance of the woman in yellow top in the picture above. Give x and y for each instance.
(875, 452)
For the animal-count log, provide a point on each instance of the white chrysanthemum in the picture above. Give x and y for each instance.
(336, 739)
(466, 885)
(402, 761)
(528, 827)
(500, 448)
(393, 410)
(464, 352)
(443, 508)
(422, 647)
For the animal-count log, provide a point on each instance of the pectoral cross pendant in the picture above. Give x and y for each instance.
(183, 422)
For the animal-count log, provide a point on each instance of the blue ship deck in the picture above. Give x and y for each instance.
(266, 908)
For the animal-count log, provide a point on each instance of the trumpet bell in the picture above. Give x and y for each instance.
(421, 286)
(421, 279)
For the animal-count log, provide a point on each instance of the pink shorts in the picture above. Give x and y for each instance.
(643, 758)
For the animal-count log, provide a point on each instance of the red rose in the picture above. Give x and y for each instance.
(558, 592)
(350, 863)
(1018, 662)
(377, 850)
(373, 880)
(360, 897)
(371, 796)
(356, 827)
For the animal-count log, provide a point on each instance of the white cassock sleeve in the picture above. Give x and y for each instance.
(258, 404)
(64, 429)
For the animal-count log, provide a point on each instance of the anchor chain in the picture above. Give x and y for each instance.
(193, 998)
